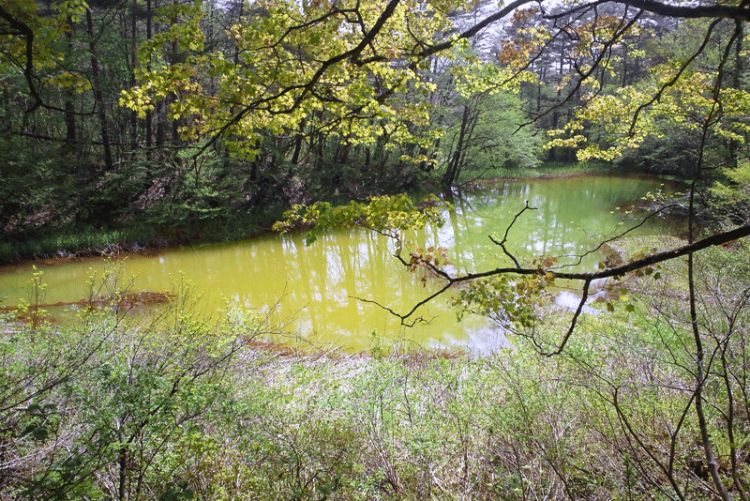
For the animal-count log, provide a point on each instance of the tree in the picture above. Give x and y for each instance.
(696, 100)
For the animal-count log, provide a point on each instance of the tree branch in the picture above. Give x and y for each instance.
(616, 271)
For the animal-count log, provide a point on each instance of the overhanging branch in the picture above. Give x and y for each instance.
(586, 277)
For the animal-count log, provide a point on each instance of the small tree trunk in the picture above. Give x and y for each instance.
(451, 173)
(97, 89)
(344, 153)
(69, 149)
(133, 58)
(736, 83)
(297, 149)
(236, 57)
(175, 123)
(149, 117)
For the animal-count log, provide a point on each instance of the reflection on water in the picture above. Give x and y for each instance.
(313, 289)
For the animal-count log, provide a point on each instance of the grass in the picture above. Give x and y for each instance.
(87, 240)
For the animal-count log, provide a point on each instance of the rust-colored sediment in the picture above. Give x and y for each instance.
(127, 300)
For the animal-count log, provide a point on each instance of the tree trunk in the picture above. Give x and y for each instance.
(98, 94)
(451, 173)
(133, 58)
(737, 83)
(298, 139)
(175, 123)
(236, 57)
(539, 89)
(344, 153)
(161, 118)
(149, 117)
(69, 148)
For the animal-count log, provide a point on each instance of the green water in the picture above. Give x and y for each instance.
(310, 290)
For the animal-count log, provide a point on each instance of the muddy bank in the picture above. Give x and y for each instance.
(128, 300)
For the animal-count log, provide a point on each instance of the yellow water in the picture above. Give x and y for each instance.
(310, 291)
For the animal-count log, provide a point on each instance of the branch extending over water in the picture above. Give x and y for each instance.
(615, 237)
(586, 277)
(501, 243)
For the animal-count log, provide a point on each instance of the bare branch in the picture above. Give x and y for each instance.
(502, 242)
(574, 320)
(613, 238)
(586, 277)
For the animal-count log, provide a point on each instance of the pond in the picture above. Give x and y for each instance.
(311, 291)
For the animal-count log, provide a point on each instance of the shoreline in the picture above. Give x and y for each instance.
(122, 250)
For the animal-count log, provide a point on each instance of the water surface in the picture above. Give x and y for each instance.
(312, 290)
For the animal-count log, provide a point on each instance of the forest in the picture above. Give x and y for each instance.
(374, 249)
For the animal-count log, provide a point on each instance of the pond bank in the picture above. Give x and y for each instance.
(77, 244)
(313, 289)
(96, 243)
